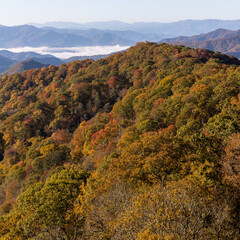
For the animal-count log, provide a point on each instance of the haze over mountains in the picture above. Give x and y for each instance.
(61, 36)
(24, 65)
(222, 40)
(185, 27)
(18, 62)
(27, 35)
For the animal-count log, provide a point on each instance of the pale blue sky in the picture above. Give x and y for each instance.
(16, 12)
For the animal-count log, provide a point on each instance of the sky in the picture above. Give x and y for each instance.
(17, 12)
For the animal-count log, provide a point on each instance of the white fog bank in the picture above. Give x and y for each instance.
(67, 52)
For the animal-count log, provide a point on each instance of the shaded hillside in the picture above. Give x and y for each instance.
(22, 55)
(49, 60)
(143, 144)
(46, 58)
(229, 45)
(221, 40)
(5, 63)
(10, 65)
(24, 65)
(216, 34)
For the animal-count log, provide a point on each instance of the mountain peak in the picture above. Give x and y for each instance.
(24, 65)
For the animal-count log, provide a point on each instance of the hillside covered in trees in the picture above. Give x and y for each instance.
(144, 144)
(221, 40)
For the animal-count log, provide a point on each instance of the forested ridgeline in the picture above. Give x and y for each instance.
(144, 144)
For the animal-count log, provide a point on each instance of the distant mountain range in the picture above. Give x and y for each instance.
(17, 57)
(27, 35)
(186, 27)
(193, 33)
(61, 34)
(9, 61)
(97, 34)
(222, 40)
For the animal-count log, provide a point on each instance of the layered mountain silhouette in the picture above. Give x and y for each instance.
(24, 65)
(62, 34)
(186, 27)
(222, 40)
(94, 33)
(11, 63)
(27, 35)
(17, 57)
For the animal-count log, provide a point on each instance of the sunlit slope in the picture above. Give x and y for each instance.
(140, 145)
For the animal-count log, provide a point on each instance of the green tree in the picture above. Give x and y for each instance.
(45, 207)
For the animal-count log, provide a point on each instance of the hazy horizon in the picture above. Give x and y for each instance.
(114, 20)
(106, 10)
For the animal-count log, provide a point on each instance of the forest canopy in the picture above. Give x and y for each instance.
(143, 144)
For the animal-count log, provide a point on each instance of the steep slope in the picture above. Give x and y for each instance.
(229, 45)
(143, 144)
(216, 34)
(221, 40)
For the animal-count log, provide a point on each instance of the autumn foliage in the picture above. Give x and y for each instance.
(143, 144)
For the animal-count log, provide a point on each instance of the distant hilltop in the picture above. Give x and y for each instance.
(221, 40)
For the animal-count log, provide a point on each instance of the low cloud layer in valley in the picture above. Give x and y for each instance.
(68, 52)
